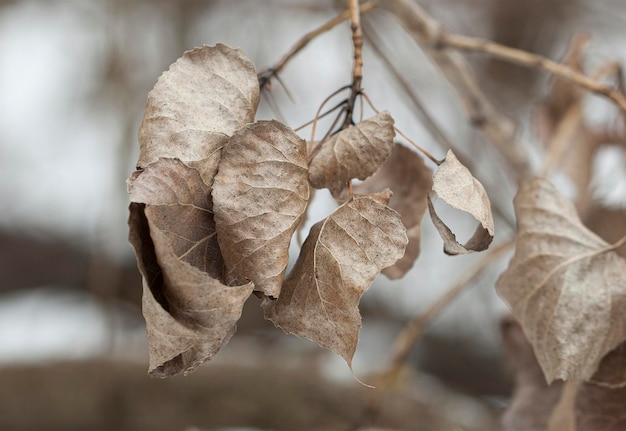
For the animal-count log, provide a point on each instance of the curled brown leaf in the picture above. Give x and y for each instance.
(261, 194)
(355, 152)
(455, 185)
(196, 105)
(405, 173)
(339, 260)
(189, 312)
(564, 285)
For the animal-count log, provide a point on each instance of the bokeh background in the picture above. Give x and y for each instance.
(74, 75)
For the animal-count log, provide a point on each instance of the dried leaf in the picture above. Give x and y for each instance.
(455, 184)
(196, 105)
(338, 261)
(189, 313)
(260, 193)
(355, 152)
(600, 409)
(533, 400)
(405, 173)
(564, 285)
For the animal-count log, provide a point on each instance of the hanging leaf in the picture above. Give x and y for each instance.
(355, 152)
(260, 194)
(455, 184)
(405, 173)
(189, 313)
(196, 105)
(338, 261)
(564, 285)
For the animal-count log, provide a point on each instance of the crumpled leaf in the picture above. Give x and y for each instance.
(189, 313)
(261, 194)
(455, 184)
(338, 261)
(564, 285)
(355, 152)
(196, 105)
(405, 173)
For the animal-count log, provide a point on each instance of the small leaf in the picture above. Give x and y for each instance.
(454, 183)
(338, 261)
(405, 173)
(355, 152)
(564, 285)
(189, 313)
(260, 193)
(196, 105)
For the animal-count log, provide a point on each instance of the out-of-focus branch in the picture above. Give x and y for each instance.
(527, 59)
(411, 333)
(498, 128)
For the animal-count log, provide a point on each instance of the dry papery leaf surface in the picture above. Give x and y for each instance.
(405, 173)
(196, 105)
(339, 260)
(189, 313)
(260, 196)
(215, 201)
(564, 284)
(455, 185)
(356, 152)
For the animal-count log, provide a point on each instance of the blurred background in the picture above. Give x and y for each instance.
(74, 75)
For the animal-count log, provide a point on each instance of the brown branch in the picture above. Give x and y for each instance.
(357, 66)
(266, 76)
(527, 59)
(498, 128)
(424, 116)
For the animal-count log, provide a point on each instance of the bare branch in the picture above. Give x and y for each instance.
(499, 129)
(527, 59)
(266, 76)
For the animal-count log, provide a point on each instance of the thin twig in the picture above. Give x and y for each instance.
(266, 76)
(415, 328)
(498, 128)
(357, 65)
(417, 147)
(527, 59)
(424, 116)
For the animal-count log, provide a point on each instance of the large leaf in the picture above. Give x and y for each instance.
(564, 285)
(189, 313)
(405, 173)
(355, 152)
(196, 105)
(260, 193)
(338, 261)
(455, 184)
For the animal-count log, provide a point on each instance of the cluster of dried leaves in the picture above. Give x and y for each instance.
(217, 198)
